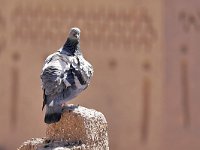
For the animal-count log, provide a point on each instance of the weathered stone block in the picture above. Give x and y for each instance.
(79, 128)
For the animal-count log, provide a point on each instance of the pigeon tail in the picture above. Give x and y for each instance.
(53, 114)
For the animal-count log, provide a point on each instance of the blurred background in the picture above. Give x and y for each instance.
(145, 54)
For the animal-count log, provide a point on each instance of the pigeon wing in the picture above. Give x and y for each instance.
(53, 73)
(85, 68)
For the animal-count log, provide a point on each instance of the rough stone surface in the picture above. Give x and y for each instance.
(80, 128)
(81, 125)
(45, 144)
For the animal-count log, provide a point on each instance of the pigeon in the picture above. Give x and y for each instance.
(65, 74)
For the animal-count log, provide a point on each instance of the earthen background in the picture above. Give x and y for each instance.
(145, 56)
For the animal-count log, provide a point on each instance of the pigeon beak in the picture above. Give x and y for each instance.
(77, 36)
(74, 35)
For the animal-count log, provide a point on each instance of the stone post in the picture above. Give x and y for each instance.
(80, 128)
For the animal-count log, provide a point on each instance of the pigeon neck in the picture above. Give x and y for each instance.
(71, 46)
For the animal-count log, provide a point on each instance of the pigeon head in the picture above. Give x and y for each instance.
(74, 33)
(72, 45)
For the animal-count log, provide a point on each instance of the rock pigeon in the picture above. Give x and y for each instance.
(64, 75)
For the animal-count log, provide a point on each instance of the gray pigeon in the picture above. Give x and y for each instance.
(65, 74)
